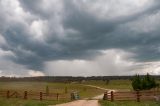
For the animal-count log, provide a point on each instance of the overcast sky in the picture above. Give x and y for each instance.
(79, 37)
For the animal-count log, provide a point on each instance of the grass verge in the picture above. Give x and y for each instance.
(129, 103)
(20, 102)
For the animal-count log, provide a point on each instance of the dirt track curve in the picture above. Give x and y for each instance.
(86, 102)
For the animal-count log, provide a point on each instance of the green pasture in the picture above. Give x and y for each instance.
(21, 102)
(129, 103)
(113, 84)
(67, 88)
(61, 88)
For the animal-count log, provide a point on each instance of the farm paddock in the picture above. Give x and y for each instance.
(65, 89)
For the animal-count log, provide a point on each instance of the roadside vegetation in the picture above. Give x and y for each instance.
(129, 103)
(21, 102)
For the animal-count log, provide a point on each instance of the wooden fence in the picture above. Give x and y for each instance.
(110, 96)
(34, 95)
(132, 95)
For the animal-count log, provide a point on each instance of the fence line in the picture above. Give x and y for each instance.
(110, 96)
(34, 95)
(132, 95)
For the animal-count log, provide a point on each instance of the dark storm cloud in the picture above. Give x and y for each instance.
(83, 34)
(99, 33)
(35, 7)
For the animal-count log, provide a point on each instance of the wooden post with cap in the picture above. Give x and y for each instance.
(112, 96)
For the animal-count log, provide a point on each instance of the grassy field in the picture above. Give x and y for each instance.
(84, 91)
(62, 88)
(21, 102)
(129, 103)
(67, 88)
(113, 84)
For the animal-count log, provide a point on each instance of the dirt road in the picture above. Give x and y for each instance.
(98, 97)
(81, 103)
(109, 90)
(86, 102)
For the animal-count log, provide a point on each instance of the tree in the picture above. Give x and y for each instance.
(136, 83)
(148, 82)
(145, 83)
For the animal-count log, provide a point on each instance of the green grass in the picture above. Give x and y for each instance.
(20, 87)
(21, 102)
(129, 103)
(84, 91)
(113, 84)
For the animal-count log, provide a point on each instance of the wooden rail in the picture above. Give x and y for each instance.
(132, 95)
(34, 95)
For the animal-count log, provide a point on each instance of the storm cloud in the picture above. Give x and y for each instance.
(44, 36)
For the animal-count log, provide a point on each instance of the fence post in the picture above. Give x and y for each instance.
(105, 97)
(40, 96)
(112, 96)
(8, 94)
(57, 96)
(138, 96)
(25, 94)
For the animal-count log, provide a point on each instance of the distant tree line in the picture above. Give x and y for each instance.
(68, 79)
